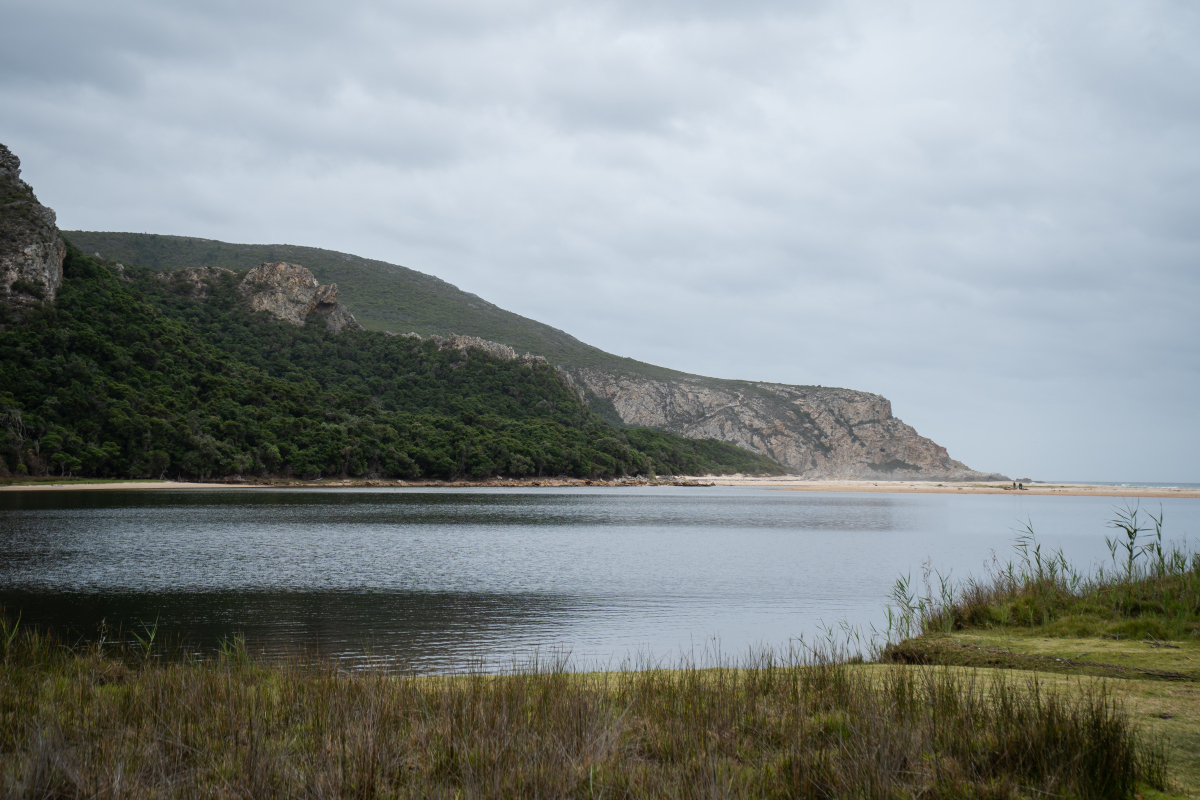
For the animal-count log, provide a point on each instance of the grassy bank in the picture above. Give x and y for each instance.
(100, 722)
(1135, 620)
(1150, 590)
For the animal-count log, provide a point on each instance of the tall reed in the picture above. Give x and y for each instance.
(1148, 589)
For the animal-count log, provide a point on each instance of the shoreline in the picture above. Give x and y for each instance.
(950, 487)
(784, 483)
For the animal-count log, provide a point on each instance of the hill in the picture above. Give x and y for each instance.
(815, 431)
(383, 297)
(132, 372)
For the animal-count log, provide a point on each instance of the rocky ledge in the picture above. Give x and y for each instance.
(31, 251)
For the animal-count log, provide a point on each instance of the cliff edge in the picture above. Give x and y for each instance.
(31, 251)
(816, 431)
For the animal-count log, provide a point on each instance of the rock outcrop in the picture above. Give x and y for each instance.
(290, 293)
(818, 432)
(465, 343)
(198, 278)
(31, 251)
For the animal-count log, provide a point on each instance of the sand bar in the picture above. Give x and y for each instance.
(951, 487)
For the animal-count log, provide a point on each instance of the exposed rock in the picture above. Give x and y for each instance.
(465, 343)
(198, 277)
(31, 251)
(816, 431)
(290, 293)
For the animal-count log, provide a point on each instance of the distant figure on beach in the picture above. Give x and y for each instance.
(1021, 487)
(1014, 484)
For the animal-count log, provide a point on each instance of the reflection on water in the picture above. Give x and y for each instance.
(431, 629)
(438, 578)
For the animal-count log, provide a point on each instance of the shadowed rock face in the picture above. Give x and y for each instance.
(290, 293)
(31, 251)
(818, 432)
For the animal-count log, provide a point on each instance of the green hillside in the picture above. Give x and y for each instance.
(382, 296)
(138, 378)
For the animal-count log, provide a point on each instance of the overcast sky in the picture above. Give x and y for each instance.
(987, 212)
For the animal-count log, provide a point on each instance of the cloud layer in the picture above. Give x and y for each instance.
(986, 212)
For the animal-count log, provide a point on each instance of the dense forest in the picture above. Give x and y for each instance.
(131, 375)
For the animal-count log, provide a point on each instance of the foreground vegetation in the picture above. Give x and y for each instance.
(105, 722)
(1135, 620)
(136, 378)
(990, 698)
(1150, 590)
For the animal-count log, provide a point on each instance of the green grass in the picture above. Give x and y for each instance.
(100, 721)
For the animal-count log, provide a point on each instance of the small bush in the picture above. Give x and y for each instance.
(23, 286)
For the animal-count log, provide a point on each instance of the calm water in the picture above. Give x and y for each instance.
(440, 578)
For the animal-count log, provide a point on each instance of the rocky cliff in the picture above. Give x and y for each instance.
(31, 251)
(818, 432)
(290, 293)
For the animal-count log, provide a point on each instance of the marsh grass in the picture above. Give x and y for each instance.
(1149, 590)
(113, 721)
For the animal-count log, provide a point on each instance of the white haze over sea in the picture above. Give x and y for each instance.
(983, 211)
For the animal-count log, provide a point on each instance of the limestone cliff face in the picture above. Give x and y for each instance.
(31, 251)
(290, 293)
(818, 432)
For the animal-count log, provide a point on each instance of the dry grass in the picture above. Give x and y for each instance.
(91, 723)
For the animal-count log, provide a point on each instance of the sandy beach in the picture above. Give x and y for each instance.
(784, 483)
(949, 487)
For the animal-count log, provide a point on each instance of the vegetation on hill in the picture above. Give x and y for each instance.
(104, 383)
(382, 296)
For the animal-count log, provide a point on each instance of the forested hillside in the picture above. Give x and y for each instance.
(135, 376)
(382, 296)
(815, 431)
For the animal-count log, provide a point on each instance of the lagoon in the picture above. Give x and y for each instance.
(444, 579)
